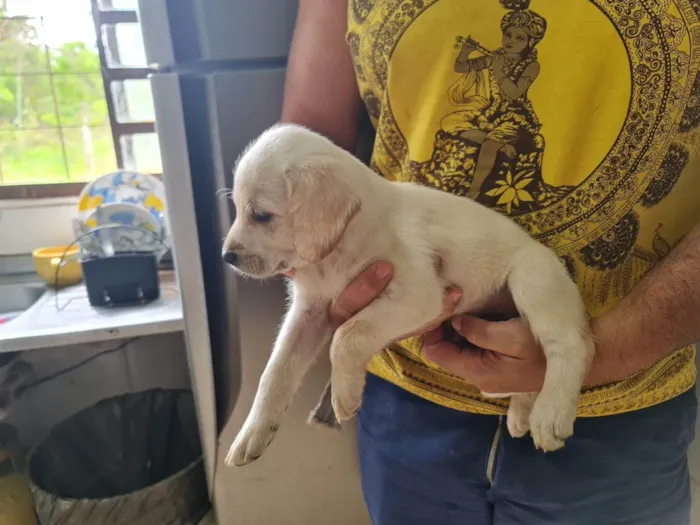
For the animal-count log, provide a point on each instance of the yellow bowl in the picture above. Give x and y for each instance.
(46, 262)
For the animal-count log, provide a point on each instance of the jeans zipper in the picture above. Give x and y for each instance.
(491, 463)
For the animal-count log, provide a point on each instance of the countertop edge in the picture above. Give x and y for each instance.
(163, 316)
(52, 339)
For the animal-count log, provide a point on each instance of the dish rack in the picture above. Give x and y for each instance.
(116, 278)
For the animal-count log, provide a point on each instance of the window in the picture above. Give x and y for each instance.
(75, 101)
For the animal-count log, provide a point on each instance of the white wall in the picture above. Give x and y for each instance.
(29, 224)
(147, 362)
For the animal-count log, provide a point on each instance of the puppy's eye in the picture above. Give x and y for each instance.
(261, 216)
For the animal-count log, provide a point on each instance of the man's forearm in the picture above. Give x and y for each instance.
(321, 90)
(660, 315)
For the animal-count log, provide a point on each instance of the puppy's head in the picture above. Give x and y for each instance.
(292, 206)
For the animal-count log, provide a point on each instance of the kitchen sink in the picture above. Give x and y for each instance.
(19, 296)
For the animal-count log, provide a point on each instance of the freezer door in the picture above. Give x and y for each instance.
(188, 32)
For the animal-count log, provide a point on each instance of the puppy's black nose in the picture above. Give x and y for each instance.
(230, 257)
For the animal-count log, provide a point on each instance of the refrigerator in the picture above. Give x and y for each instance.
(218, 82)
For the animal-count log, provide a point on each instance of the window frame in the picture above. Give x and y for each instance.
(103, 17)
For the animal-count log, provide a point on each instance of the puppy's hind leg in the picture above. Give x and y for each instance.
(549, 301)
(324, 415)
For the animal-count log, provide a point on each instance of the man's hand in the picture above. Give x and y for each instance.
(361, 292)
(370, 284)
(660, 315)
(499, 357)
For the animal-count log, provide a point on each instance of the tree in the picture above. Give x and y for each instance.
(40, 89)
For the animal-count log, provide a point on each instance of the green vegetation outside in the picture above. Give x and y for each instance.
(54, 125)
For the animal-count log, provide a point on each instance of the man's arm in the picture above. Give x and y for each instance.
(660, 315)
(321, 91)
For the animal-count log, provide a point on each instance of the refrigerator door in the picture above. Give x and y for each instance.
(188, 32)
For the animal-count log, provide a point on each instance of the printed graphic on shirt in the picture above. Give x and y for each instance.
(495, 129)
(575, 118)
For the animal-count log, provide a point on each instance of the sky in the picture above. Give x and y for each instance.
(70, 21)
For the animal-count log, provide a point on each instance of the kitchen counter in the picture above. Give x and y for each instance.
(76, 321)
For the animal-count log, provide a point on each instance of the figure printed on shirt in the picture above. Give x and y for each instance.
(495, 131)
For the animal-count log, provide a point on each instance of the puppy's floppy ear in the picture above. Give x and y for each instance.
(320, 209)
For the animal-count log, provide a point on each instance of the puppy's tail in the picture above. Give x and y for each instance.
(324, 415)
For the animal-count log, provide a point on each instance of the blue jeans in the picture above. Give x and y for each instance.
(423, 464)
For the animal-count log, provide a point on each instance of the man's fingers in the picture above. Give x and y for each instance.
(445, 355)
(477, 331)
(505, 337)
(433, 336)
(361, 292)
(450, 301)
(463, 362)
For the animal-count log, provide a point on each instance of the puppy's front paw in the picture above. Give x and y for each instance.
(346, 397)
(251, 442)
(552, 422)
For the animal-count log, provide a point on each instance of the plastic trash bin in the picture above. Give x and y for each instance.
(129, 460)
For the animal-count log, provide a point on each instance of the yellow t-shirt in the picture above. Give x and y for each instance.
(580, 119)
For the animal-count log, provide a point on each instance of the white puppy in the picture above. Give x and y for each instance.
(305, 205)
